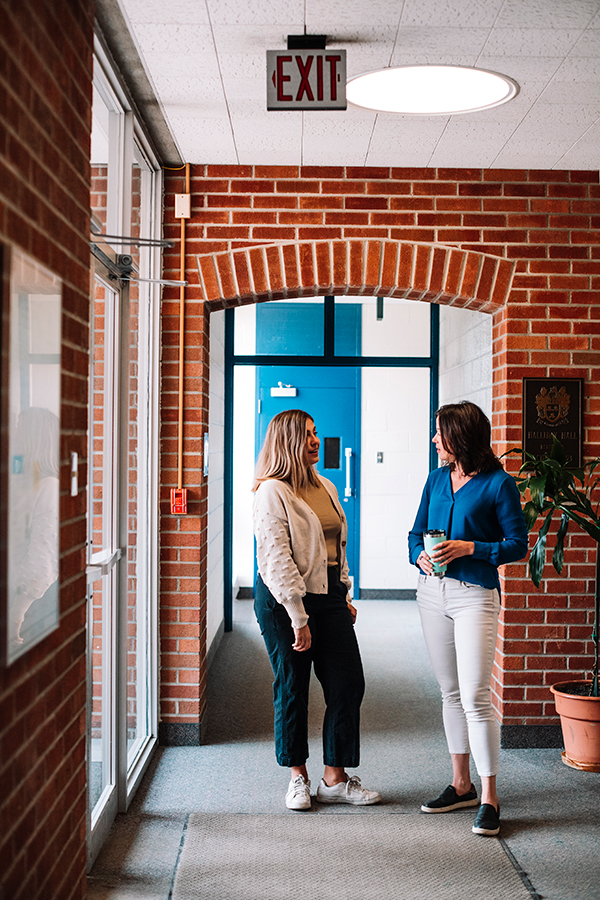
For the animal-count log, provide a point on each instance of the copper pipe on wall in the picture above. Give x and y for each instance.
(181, 341)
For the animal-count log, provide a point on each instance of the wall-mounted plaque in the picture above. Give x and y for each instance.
(553, 406)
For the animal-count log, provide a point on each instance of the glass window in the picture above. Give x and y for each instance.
(106, 146)
(281, 328)
(403, 329)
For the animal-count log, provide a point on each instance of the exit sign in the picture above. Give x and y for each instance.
(306, 79)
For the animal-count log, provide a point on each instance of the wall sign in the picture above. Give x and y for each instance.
(306, 79)
(553, 406)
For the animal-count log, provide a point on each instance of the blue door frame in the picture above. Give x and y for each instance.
(328, 359)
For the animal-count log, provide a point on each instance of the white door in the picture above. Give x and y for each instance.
(122, 529)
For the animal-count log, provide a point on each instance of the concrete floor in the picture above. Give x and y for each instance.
(549, 811)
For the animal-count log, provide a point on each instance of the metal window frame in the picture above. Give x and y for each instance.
(131, 145)
(328, 358)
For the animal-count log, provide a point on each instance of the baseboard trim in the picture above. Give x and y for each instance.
(180, 734)
(531, 737)
(247, 593)
(386, 594)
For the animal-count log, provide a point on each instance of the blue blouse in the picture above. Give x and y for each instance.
(485, 510)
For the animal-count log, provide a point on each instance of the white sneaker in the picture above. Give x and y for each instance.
(298, 794)
(347, 792)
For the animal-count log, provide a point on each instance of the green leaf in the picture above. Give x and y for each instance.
(537, 558)
(537, 489)
(530, 513)
(592, 528)
(559, 551)
(558, 451)
(518, 450)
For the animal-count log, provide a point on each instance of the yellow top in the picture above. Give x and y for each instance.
(321, 503)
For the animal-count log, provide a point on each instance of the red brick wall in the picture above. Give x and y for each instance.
(45, 84)
(545, 220)
(183, 540)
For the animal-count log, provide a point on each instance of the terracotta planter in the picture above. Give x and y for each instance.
(580, 722)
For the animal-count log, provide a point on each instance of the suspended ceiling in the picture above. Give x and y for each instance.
(206, 63)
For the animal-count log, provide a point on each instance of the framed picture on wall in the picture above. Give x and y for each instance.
(30, 341)
(553, 406)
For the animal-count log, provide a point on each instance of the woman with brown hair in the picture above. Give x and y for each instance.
(476, 504)
(302, 606)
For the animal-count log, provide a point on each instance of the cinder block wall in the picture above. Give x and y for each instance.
(545, 220)
(45, 115)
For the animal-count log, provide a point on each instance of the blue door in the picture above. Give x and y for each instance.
(332, 397)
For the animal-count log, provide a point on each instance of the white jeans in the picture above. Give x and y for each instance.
(460, 624)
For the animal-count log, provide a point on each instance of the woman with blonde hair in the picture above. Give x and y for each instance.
(304, 612)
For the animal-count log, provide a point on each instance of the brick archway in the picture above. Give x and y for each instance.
(428, 272)
(257, 235)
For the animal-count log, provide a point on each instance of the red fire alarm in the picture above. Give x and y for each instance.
(178, 501)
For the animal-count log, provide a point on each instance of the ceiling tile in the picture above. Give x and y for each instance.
(538, 13)
(521, 68)
(265, 12)
(451, 13)
(550, 47)
(153, 11)
(580, 70)
(437, 44)
(588, 44)
(530, 42)
(175, 37)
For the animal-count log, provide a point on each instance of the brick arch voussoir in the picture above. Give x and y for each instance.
(433, 273)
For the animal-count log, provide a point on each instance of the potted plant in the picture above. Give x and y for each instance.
(550, 485)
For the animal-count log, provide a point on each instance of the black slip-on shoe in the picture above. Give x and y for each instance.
(449, 800)
(487, 820)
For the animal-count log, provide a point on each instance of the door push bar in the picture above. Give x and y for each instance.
(100, 567)
(348, 491)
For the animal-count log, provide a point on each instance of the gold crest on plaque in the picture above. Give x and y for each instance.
(553, 406)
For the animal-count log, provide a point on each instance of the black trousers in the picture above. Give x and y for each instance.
(336, 658)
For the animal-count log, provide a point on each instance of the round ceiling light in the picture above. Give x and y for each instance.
(430, 90)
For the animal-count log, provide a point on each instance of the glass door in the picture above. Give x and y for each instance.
(138, 472)
(122, 596)
(103, 557)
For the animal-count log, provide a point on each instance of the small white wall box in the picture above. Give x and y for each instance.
(284, 390)
(74, 475)
(183, 206)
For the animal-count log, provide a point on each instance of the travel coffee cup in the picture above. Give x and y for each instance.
(431, 538)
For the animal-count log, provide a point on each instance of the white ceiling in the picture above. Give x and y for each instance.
(206, 60)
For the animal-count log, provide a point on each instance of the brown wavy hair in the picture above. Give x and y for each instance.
(282, 454)
(466, 433)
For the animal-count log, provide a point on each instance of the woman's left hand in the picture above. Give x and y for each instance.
(352, 612)
(446, 551)
(302, 639)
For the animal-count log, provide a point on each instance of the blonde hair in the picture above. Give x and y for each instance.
(282, 454)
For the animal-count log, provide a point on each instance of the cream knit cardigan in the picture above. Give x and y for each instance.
(290, 546)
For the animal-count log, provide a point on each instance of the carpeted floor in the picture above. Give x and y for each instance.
(549, 812)
(332, 858)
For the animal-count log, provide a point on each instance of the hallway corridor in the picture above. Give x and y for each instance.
(550, 812)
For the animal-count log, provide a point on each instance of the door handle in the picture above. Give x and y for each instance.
(102, 566)
(348, 491)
